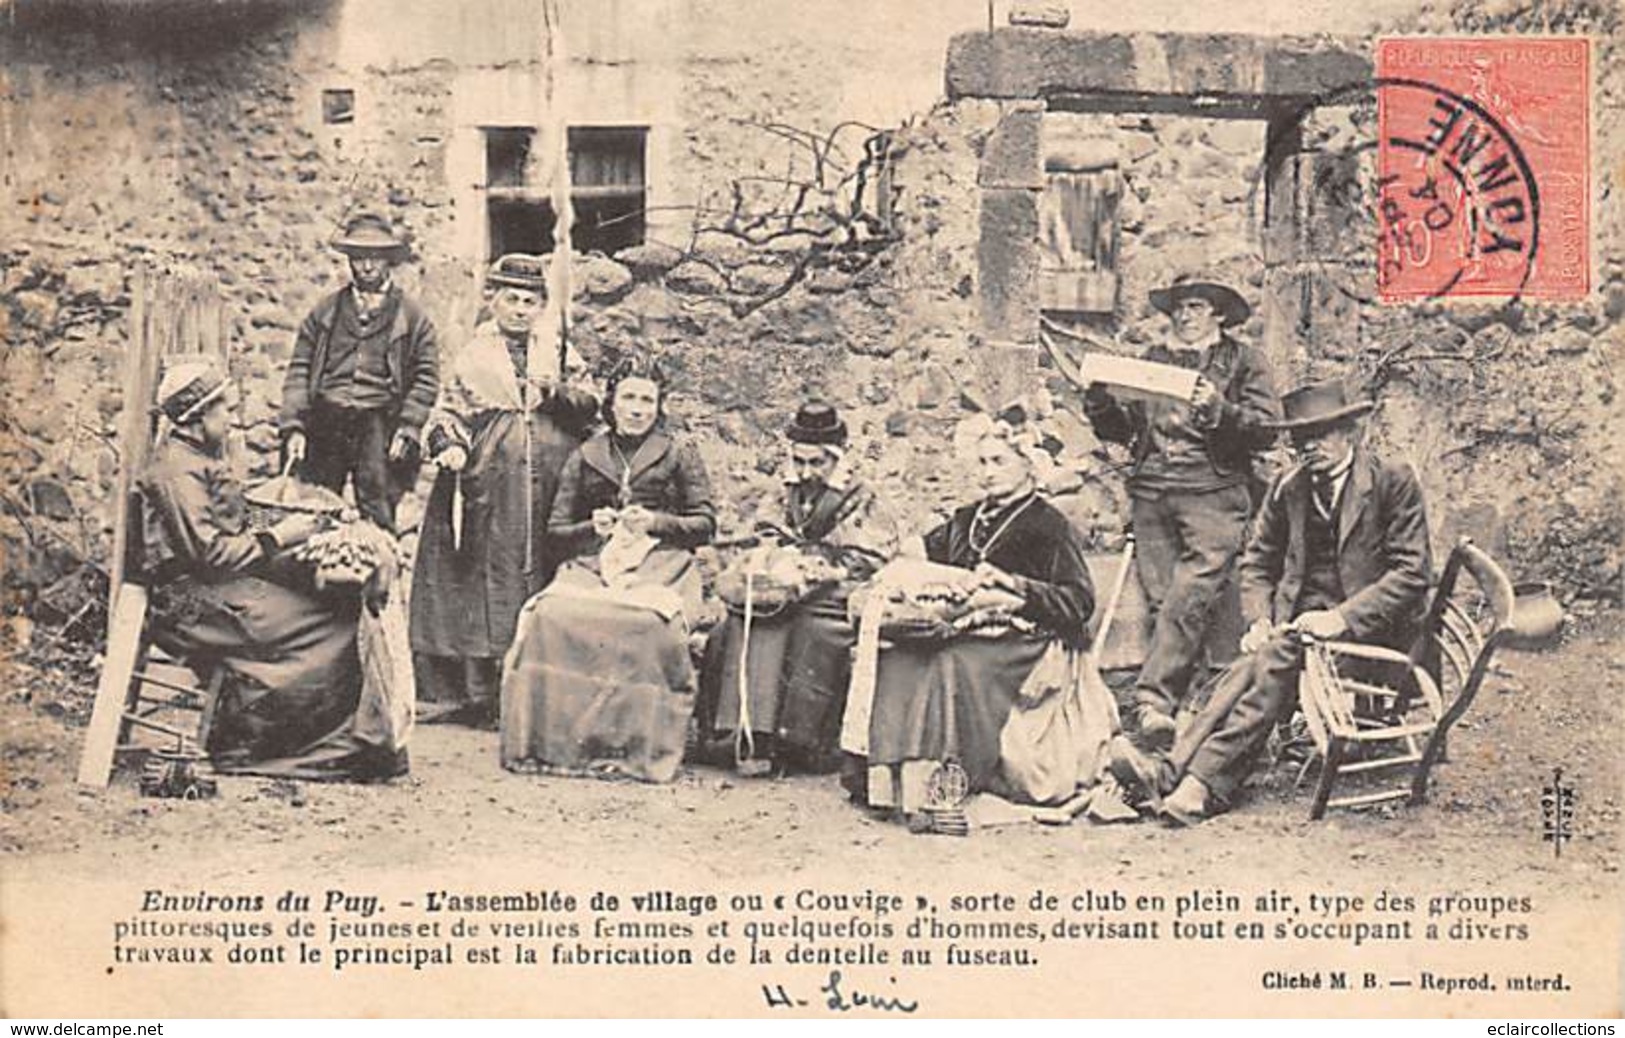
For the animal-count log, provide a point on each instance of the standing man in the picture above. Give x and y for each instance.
(1340, 550)
(363, 376)
(1189, 484)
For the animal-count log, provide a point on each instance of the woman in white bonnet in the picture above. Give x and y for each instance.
(232, 599)
(948, 699)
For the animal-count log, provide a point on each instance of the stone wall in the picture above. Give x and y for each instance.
(184, 144)
(122, 149)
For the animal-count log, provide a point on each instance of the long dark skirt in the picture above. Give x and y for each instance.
(466, 595)
(799, 665)
(292, 677)
(936, 701)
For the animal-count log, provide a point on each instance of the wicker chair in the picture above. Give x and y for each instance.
(1388, 718)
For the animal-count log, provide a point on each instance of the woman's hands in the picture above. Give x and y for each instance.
(990, 576)
(453, 458)
(295, 529)
(637, 520)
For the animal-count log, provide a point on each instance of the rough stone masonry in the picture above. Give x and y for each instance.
(124, 148)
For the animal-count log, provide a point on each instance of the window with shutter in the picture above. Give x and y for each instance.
(607, 190)
(1077, 220)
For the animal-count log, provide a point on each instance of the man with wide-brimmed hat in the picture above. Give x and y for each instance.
(1339, 550)
(511, 411)
(1189, 486)
(363, 376)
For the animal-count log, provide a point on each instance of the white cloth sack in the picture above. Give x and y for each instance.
(388, 707)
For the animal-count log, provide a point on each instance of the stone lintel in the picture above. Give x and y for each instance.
(1014, 63)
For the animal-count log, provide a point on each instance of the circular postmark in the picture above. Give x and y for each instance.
(1412, 191)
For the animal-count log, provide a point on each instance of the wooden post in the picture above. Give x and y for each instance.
(131, 422)
(126, 618)
(169, 313)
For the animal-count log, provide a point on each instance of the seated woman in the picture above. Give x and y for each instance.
(947, 699)
(798, 659)
(599, 678)
(227, 598)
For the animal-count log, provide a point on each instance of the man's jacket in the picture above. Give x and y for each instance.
(1247, 401)
(412, 356)
(1383, 560)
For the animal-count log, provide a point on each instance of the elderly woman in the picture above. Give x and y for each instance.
(599, 678)
(948, 699)
(797, 660)
(509, 414)
(229, 599)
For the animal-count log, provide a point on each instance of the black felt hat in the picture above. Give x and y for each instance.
(817, 422)
(371, 233)
(1319, 404)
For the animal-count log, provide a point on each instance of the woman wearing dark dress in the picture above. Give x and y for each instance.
(509, 414)
(945, 700)
(232, 600)
(599, 677)
(799, 660)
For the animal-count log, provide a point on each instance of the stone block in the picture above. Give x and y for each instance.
(1004, 372)
(695, 279)
(1032, 63)
(1239, 137)
(758, 279)
(1013, 155)
(648, 261)
(1314, 69)
(1025, 63)
(1567, 341)
(1076, 437)
(1007, 256)
(50, 499)
(724, 249)
(601, 280)
(828, 281)
(1040, 16)
(650, 303)
(36, 309)
(934, 388)
(104, 281)
(1614, 302)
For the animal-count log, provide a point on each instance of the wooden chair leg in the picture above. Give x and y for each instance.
(1303, 771)
(1328, 777)
(1432, 753)
(211, 700)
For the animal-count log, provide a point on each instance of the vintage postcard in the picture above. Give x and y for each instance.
(642, 508)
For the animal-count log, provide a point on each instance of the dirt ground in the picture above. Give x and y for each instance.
(459, 810)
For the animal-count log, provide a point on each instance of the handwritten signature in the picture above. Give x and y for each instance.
(837, 1000)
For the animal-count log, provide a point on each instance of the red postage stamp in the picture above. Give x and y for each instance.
(1484, 167)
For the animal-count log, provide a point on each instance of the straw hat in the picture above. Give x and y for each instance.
(188, 387)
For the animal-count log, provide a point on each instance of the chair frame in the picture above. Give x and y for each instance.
(124, 700)
(1349, 718)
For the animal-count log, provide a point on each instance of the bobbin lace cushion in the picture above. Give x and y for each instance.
(777, 577)
(928, 601)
